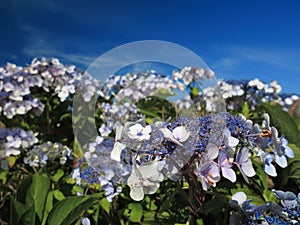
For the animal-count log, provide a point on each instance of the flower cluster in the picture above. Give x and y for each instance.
(229, 93)
(14, 141)
(213, 146)
(39, 155)
(287, 213)
(18, 85)
(127, 90)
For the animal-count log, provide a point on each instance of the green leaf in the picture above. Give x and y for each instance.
(194, 91)
(29, 217)
(134, 212)
(39, 189)
(260, 182)
(70, 209)
(23, 188)
(48, 206)
(77, 150)
(166, 204)
(148, 113)
(148, 217)
(200, 222)
(245, 109)
(17, 210)
(76, 189)
(293, 169)
(3, 175)
(105, 205)
(59, 174)
(297, 122)
(257, 200)
(58, 195)
(283, 122)
(11, 160)
(214, 206)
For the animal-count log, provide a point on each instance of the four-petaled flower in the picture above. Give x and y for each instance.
(144, 180)
(225, 162)
(178, 135)
(209, 173)
(138, 132)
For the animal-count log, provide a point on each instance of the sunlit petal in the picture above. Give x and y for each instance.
(169, 135)
(271, 170)
(212, 151)
(229, 174)
(181, 134)
(240, 197)
(117, 150)
(281, 161)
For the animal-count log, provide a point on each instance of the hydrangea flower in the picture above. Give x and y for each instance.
(144, 179)
(244, 164)
(139, 132)
(178, 135)
(209, 174)
(14, 141)
(226, 162)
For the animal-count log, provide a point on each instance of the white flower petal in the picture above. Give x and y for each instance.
(168, 135)
(137, 193)
(232, 142)
(117, 150)
(12, 152)
(181, 134)
(119, 130)
(248, 168)
(151, 189)
(289, 152)
(212, 151)
(281, 161)
(271, 170)
(147, 129)
(240, 197)
(229, 174)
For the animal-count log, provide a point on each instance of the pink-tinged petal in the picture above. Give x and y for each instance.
(242, 156)
(205, 184)
(243, 174)
(232, 142)
(281, 161)
(226, 133)
(229, 174)
(212, 151)
(248, 168)
(271, 170)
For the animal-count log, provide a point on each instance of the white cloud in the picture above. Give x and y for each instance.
(226, 62)
(41, 48)
(284, 58)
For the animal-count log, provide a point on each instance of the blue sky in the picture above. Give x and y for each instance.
(236, 39)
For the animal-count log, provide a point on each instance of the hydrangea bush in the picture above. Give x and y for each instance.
(223, 154)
